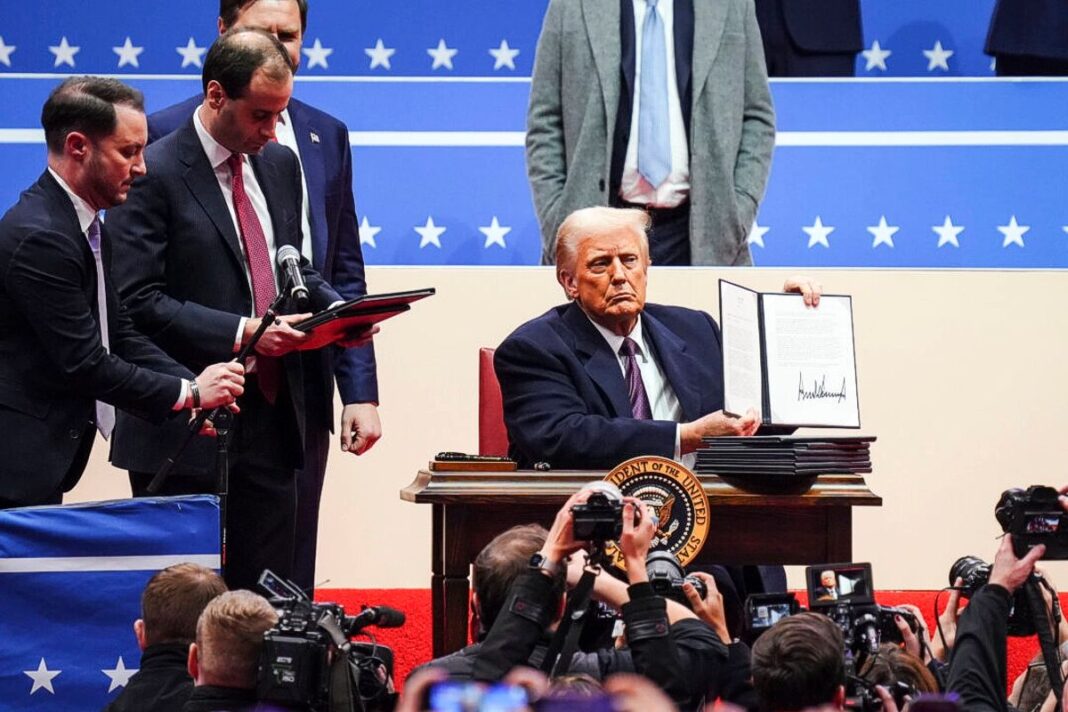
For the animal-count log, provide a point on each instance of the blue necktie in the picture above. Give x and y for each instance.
(654, 131)
(639, 399)
(105, 412)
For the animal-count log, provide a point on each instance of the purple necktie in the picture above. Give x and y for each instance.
(639, 400)
(105, 412)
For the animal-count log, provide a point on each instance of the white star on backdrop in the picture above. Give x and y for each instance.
(1065, 228)
(817, 233)
(442, 55)
(64, 52)
(191, 54)
(379, 54)
(368, 232)
(883, 233)
(948, 232)
(876, 57)
(429, 234)
(1013, 232)
(119, 675)
(504, 56)
(42, 677)
(756, 234)
(128, 53)
(937, 57)
(5, 52)
(494, 233)
(317, 55)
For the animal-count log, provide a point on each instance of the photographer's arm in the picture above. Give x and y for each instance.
(977, 669)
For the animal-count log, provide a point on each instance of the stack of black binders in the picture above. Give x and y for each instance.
(784, 456)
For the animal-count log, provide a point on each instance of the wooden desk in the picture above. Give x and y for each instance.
(470, 508)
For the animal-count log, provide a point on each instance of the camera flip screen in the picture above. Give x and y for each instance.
(830, 584)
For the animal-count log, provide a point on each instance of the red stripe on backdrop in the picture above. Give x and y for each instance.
(411, 643)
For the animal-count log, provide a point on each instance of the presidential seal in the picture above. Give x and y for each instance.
(674, 495)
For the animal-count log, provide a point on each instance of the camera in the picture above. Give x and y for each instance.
(844, 593)
(1034, 516)
(667, 577)
(974, 574)
(763, 610)
(600, 519)
(308, 659)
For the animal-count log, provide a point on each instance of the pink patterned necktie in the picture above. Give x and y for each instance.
(264, 289)
(639, 399)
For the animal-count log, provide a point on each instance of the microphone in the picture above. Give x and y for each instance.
(381, 616)
(288, 259)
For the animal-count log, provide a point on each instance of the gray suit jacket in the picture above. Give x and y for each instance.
(574, 99)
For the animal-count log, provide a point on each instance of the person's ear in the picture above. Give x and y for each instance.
(192, 664)
(76, 145)
(568, 282)
(840, 698)
(215, 95)
(475, 622)
(221, 26)
(139, 633)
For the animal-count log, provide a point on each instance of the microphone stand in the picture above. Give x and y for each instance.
(221, 419)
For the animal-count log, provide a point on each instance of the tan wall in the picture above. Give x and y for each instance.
(962, 378)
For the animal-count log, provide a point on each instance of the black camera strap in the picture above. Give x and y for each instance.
(1046, 625)
(562, 648)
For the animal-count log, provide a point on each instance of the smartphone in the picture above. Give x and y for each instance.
(469, 696)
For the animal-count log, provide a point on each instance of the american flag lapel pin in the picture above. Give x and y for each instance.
(314, 136)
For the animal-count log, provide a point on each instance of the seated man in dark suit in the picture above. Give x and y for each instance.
(608, 377)
(68, 355)
(198, 271)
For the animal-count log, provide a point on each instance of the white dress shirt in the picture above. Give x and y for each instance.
(86, 214)
(663, 403)
(675, 189)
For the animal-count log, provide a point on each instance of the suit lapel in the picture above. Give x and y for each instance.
(679, 367)
(709, 21)
(311, 162)
(200, 178)
(65, 211)
(602, 28)
(683, 26)
(600, 363)
(271, 184)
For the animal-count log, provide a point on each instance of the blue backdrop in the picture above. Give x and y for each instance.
(920, 164)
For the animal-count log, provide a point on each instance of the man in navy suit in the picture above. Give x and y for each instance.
(331, 243)
(196, 272)
(571, 395)
(68, 353)
(810, 38)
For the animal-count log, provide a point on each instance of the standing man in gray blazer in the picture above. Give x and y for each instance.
(657, 104)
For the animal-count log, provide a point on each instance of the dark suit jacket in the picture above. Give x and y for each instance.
(336, 253)
(1037, 28)
(565, 400)
(53, 366)
(181, 275)
(822, 25)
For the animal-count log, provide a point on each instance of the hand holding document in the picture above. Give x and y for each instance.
(353, 323)
(794, 364)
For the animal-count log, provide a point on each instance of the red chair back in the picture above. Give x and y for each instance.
(492, 435)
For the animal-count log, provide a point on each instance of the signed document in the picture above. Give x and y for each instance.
(795, 365)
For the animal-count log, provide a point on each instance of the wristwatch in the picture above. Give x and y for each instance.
(542, 563)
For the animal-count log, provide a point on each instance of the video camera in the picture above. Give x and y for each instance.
(1034, 516)
(845, 594)
(308, 659)
(763, 610)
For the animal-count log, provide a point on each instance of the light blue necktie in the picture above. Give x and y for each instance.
(105, 412)
(654, 130)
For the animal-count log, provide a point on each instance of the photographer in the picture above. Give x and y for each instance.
(977, 669)
(667, 642)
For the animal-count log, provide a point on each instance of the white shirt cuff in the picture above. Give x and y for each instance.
(183, 395)
(678, 443)
(240, 333)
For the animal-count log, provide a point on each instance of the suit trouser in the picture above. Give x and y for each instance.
(261, 502)
(309, 492)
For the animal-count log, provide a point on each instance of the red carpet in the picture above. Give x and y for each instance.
(411, 643)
